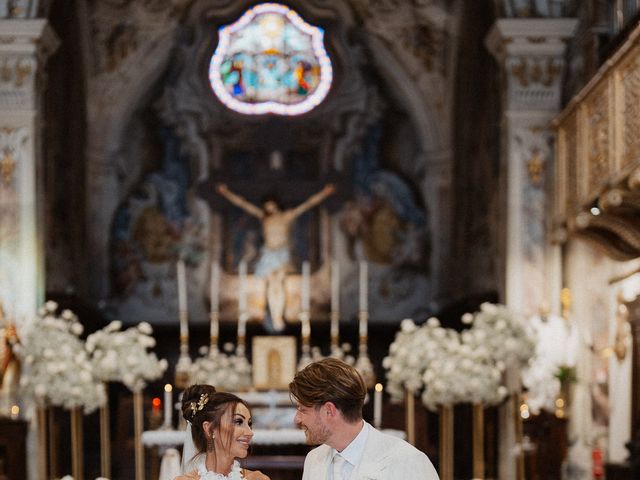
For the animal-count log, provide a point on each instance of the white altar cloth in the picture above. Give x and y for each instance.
(261, 436)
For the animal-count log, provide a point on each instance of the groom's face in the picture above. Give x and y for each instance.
(312, 421)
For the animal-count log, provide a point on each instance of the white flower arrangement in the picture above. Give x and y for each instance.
(447, 367)
(504, 334)
(226, 371)
(341, 352)
(58, 371)
(409, 354)
(556, 350)
(122, 356)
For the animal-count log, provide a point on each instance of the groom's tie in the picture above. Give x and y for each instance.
(338, 463)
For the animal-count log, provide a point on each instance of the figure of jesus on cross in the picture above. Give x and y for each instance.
(275, 253)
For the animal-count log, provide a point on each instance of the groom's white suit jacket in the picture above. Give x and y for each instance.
(385, 457)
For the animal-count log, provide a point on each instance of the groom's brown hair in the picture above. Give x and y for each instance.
(330, 380)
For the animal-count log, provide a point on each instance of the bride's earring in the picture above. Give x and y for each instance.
(210, 447)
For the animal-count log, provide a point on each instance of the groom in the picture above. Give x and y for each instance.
(329, 395)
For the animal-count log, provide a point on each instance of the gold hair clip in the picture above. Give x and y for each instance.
(196, 407)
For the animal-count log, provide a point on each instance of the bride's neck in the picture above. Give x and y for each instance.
(219, 463)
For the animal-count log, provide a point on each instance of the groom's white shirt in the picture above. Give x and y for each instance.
(383, 457)
(353, 452)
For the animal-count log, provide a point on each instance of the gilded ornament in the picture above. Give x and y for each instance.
(7, 167)
(535, 167)
(565, 301)
(22, 73)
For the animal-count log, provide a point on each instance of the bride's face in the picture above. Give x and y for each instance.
(235, 428)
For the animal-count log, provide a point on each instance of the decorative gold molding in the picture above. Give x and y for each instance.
(597, 188)
(535, 167)
(7, 167)
(542, 72)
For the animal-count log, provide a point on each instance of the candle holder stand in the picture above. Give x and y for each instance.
(363, 363)
(184, 362)
(305, 332)
(241, 347)
(214, 332)
(336, 351)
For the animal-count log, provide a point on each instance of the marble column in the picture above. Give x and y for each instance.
(531, 54)
(25, 45)
(24, 48)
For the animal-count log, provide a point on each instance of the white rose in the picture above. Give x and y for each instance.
(433, 322)
(77, 328)
(145, 328)
(51, 306)
(114, 326)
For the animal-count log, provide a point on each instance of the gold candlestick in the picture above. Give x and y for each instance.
(137, 433)
(335, 333)
(518, 431)
(242, 333)
(363, 363)
(214, 331)
(41, 420)
(305, 333)
(410, 416)
(184, 362)
(446, 442)
(77, 455)
(105, 440)
(53, 437)
(478, 441)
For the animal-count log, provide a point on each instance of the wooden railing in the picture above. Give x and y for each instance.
(597, 184)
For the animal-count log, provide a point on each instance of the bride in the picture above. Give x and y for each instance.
(221, 432)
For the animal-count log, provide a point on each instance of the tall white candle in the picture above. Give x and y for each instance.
(242, 327)
(242, 294)
(215, 286)
(363, 286)
(182, 287)
(335, 286)
(182, 301)
(242, 302)
(214, 330)
(168, 405)
(305, 287)
(377, 406)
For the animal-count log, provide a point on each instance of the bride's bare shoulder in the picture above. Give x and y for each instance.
(189, 476)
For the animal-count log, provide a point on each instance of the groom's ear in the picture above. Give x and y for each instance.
(330, 409)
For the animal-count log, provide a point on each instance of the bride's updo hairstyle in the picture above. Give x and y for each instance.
(202, 403)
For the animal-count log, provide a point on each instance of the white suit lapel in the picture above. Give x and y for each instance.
(321, 463)
(373, 458)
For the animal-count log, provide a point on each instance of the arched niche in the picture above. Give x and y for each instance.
(375, 112)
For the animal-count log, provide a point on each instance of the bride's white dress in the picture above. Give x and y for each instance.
(205, 474)
(191, 460)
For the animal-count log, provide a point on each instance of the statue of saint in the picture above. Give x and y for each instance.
(275, 253)
(623, 330)
(9, 364)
